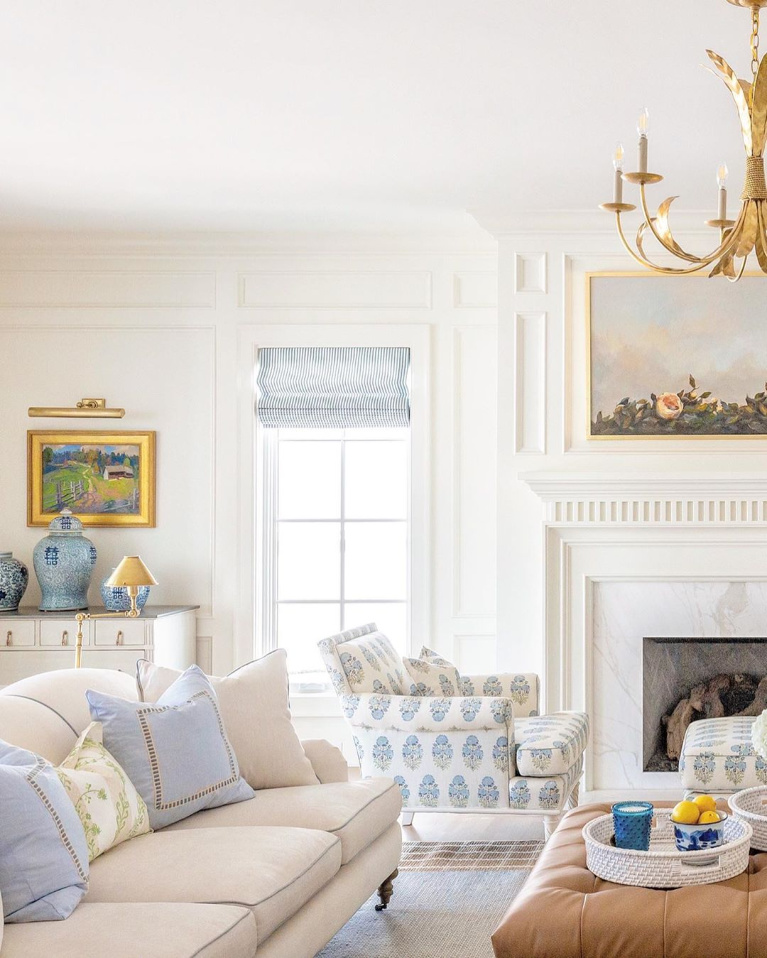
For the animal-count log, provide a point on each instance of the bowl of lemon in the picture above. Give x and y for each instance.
(698, 824)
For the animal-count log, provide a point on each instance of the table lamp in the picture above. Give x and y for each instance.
(131, 572)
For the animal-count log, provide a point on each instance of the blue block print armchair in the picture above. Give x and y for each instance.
(479, 745)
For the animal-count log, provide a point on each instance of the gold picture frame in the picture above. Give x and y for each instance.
(110, 475)
(591, 412)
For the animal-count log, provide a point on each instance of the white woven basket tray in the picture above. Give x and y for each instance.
(750, 806)
(663, 866)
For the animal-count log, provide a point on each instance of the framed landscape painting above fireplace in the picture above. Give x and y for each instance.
(674, 357)
(104, 478)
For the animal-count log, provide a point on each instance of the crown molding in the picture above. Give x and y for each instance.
(215, 244)
(499, 222)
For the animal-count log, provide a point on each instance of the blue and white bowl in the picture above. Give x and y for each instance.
(697, 838)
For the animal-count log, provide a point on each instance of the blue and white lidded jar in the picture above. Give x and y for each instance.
(64, 562)
(14, 578)
(116, 598)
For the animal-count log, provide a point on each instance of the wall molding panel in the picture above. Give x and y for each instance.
(531, 273)
(475, 290)
(314, 289)
(113, 289)
(530, 377)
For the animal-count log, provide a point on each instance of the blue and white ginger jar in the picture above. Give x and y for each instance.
(14, 578)
(64, 562)
(116, 598)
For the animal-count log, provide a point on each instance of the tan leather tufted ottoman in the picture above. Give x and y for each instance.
(566, 912)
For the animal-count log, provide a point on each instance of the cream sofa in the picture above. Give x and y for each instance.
(276, 876)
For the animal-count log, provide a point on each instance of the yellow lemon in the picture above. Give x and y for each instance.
(708, 818)
(705, 803)
(686, 813)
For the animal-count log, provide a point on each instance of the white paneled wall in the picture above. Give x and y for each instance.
(155, 330)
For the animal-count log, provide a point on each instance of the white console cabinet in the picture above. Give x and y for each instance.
(32, 641)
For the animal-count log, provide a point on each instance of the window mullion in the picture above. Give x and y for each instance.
(269, 612)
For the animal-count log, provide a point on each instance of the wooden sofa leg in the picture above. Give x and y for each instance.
(407, 817)
(386, 890)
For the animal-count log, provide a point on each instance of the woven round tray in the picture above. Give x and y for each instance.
(750, 806)
(663, 866)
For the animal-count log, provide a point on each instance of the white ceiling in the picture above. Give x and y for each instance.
(384, 114)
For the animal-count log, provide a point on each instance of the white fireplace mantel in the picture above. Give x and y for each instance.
(651, 498)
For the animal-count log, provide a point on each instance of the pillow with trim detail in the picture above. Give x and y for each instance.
(176, 752)
(43, 853)
(434, 676)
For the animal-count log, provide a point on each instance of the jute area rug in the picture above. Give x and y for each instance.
(448, 899)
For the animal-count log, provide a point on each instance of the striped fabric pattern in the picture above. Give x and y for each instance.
(334, 386)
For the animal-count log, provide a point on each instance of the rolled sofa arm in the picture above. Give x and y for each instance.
(523, 688)
(415, 713)
(327, 761)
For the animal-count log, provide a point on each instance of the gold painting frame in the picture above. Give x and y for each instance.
(634, 437)
(41, 501)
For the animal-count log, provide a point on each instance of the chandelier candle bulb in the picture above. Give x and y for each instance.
(643, 124)
(721, 180)
(618, 167)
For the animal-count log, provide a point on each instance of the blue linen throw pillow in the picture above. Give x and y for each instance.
(175, 751)
(43, 854)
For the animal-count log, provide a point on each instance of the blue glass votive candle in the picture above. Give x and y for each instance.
(632, 822)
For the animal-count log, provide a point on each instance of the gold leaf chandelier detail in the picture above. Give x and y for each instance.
(738, 238)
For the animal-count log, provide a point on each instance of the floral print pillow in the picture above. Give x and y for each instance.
(433, 677)
(105, 799)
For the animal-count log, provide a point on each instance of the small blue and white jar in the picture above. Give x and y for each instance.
(14, 579)
(64, 562)
(116, 598)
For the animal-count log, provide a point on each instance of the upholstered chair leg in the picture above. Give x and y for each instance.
(407, 817)
(386, 890)
(572, 802)
(550, 823)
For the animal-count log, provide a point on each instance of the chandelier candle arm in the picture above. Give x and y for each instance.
(739, 237)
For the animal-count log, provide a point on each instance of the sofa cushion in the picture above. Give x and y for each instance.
(254, 706)
(148, 930)
(176, 751)
(356, 812)
(718, 756)
(272, 871)
(105, 799)
(43, 855)
(550, 744)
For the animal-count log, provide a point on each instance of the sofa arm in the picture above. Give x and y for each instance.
(415, 713)
(327, 761)
(521, 687)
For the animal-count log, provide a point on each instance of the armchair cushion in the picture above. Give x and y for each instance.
(432, 678)
(363, 660)
(417, 713)
(550, 744)
(546, 795)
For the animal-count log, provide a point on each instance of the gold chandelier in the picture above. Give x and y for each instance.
(737, 238)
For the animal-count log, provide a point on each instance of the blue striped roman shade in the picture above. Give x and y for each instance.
(333, 386)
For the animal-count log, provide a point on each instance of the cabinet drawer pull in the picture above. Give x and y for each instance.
(120, 637)
(9, 637)
(65, 637)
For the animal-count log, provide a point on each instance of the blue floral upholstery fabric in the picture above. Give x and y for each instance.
(550, 744)
(523, 688)
(457, 750)
(364, 660)
(717, 755)
(432, 678)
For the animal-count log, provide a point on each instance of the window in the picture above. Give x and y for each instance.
(336, 553)
(334, 499)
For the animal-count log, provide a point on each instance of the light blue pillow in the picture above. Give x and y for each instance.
(43, 854)
(175, 751)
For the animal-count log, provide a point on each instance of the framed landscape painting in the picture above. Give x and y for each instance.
(104, 478)
(676, 357)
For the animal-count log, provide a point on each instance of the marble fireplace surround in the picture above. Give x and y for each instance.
(622, 563)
